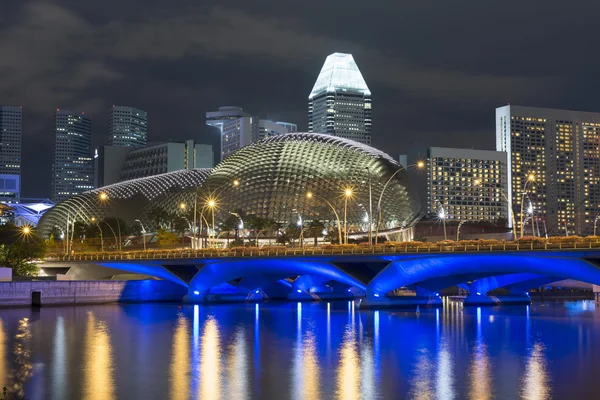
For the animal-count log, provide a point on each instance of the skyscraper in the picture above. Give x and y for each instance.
(11, 119)
(340, 102)
(554, 165)
(467, 185)
(127, 126)
(73, 165)
(239, 128)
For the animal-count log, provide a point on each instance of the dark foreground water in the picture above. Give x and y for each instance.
(301, 351)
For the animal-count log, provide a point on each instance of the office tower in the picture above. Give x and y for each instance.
(120, 163)
(127, 126)
(11, 119)
(291, 128)
(340, 102)
(554, 165)
(73, 165)
(467, 185)
(239, 128)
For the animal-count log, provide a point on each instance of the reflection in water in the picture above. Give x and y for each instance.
(238, 368)
(210, 361)
(22, 357)
(349, 374)
(306, 382)
(59, 361)
(481, 385)
(422, 384)
(98, 362)
(180, 360)
(3, 371)
(536, 383)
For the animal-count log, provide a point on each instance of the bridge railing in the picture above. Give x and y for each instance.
(329, 250)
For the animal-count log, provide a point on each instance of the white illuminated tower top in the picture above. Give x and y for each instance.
(340, 101)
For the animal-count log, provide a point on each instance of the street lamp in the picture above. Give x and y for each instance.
(442, 215)
(347, 195)
(479, 182)
(310, 195)
(595, 221)
(236, 183)
(419, 164)
(26, 230)
(103, 197)
(143, 232)
(458, 229)
(370, 218)
(211, 203)
(530, 178)
(93, 220)
(182, 206)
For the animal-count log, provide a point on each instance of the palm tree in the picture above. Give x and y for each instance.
(315, 229)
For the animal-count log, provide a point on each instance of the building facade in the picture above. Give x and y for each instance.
(554, 164)
(73, 164)
(11, 125)
(467, 185)
(340, 101)
(239, 128)
(127, 126)
(121, 163)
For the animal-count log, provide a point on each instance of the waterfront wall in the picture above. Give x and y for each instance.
(87, 292)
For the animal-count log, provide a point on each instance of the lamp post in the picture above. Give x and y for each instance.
(595, 222)
(442, 215)
(113, 231)
(310, 195)
(103, 197)
(211, 203)
(478, 182)
(458, 229)
(530, 178)
(419, 165)
(300, 224)
(94, 221)
(143, 232)
(370, 208)
(347, 195)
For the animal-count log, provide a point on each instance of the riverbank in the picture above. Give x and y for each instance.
(40, 293)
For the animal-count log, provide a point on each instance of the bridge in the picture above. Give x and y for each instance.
(375, 273)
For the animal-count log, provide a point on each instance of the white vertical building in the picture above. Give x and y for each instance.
(73, 164)
(127, 126)
(11, 122)
(467, 184)
(559, 149)
(239, 128)
(340, 101)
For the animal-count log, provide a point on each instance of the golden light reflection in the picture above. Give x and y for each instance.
(210, 361)
(22, 358)
(237, 385)
(536, 383)
(306, 380)
(180, 361)
(349, 369)
(445, 373)
(422, 383)
(98, 368)
(480, 374)
(3, 372)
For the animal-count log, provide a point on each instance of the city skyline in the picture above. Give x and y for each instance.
(431, 88)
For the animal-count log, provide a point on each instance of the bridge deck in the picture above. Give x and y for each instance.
(338, 250)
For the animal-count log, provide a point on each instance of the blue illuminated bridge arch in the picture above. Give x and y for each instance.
(373, 276)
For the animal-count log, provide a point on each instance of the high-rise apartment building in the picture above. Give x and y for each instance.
(467, 185)
(239, 128)
(73, 164)
(11, 121)
(127, 126)
(554, 165)
(340, 102)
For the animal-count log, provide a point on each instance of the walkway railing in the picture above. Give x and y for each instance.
(318, 251)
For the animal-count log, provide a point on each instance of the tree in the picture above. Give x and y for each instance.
(292, 232)
(229, 225)
(160, 217)
(165, 238)
(315, 229)
(271, 227)
(19, 250)
(256, 224)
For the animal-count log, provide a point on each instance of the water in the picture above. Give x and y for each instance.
(301, 351)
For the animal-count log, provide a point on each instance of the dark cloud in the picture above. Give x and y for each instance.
(436, 69)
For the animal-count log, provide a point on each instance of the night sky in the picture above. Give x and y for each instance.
(437, 69)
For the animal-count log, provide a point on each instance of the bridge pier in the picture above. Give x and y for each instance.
(480, 299)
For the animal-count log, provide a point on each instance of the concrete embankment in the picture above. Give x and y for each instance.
(87, 292)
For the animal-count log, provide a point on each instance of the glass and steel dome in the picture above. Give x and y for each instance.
(272, 179)
(274, 176)
(128, 200)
